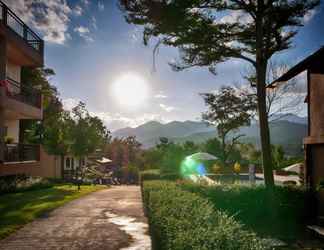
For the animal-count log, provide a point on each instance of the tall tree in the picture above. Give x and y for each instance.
(251, 30)
(228, 111)
(284, 99)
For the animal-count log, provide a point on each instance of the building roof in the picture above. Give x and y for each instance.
(308, 62)
(104, 160)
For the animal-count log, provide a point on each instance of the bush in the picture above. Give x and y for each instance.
(183, 220)
(20, 183)
(280, 214)
(170, 176)
(148, 175)
(155, 174)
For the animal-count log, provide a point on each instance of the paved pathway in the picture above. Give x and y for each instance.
(108, 219)
(280, 179)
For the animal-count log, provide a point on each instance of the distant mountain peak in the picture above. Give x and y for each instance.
(287, 132)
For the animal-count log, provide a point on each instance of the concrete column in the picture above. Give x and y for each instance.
(3, 62)
(316, 97)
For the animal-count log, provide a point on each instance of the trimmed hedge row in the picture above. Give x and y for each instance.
(155, 174)
(21, 183)
(183, 220)
(284, 211)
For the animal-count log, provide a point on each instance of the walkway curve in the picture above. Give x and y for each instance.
(109, 219)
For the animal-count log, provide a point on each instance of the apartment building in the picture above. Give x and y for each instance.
(19, 47)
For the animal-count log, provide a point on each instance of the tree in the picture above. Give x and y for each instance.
(278, 156)
(284, 99)
(253, 31)
(83, 135)
(228, 111)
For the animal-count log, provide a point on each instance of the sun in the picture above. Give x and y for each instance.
(130, 90)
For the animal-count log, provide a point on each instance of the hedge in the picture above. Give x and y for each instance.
(282, 215)
(21, 183)
(155, 174)
(183, 220)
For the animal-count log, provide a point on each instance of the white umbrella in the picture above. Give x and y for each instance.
(201, 156)
(294, 168)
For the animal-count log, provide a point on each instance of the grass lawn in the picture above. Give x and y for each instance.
(17, 209)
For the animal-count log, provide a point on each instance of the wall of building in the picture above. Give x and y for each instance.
(316, 97)
(48, 166)
(73, 162)
(13, 71)
(12, 128)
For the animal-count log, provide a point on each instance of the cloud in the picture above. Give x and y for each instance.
(50, 17)
(160, 96)
(94, 22)
(101, 6)
(236, 16)
(78, 10)
(309, 15)
(167, 108)
(135, 34)
(117, 121)
(70, 103)
(84, 32)
(85, 2)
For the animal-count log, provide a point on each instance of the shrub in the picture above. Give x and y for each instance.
(281, 216)
(170, 176)
(20, 183)
(183, 220)
(155, 174)
(148, 175)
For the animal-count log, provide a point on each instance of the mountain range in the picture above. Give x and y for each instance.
(288, 131)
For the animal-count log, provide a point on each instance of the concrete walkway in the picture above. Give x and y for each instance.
(109, 219)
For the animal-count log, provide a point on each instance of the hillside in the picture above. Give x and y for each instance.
(285, 133)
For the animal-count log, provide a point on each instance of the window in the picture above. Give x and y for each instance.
(82, 161)
(72, 163)
(67, 163)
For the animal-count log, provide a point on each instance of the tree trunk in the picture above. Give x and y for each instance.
(261, 71)
(264, 125)
(224, 149)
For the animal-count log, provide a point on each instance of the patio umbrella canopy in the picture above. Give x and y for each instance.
(202, 156)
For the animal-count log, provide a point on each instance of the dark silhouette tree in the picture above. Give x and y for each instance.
(254, 31)
(228, 111)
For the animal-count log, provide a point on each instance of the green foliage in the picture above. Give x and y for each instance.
(173, 154)
(282, 217)
(205, 39)
(183, 220)
(228, 111)
(86, 133)
(149, 175)
(124, 151)
(278, 157)
(195, 28)
(20, 183)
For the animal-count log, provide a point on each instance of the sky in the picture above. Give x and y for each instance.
(91, 48)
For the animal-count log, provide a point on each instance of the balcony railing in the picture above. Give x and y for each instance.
(21, 152)
(11, 20)
(23, 93)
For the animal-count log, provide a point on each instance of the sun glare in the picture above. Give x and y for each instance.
(130, 90)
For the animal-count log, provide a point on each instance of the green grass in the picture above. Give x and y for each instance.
(17, 209)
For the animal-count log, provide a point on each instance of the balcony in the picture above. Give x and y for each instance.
(24, 46)
(20, 101)
(15, 153)
(23, 93)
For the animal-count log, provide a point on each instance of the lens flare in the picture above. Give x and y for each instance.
(191, 167)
